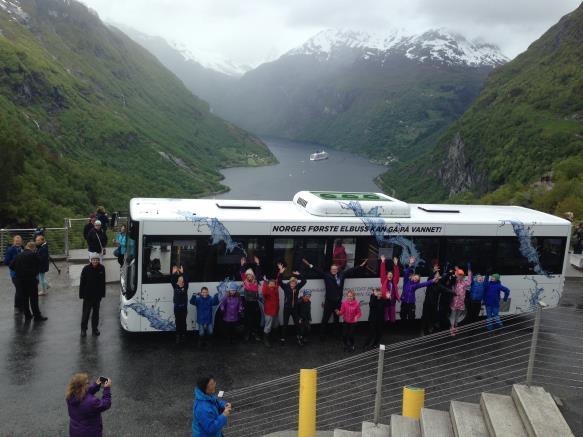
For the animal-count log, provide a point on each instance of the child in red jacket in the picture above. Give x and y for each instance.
(350, 312)
(270, 293)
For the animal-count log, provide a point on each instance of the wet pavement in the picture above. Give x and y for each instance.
(152, 377)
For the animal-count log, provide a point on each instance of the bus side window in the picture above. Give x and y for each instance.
(478, 251)
(157, 262)
(293, 250)
(551, 252)
(509, 260)
(428, 248)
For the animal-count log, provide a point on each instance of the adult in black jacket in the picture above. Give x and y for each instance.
(334, 283)
(376, 317)
(26, 266)
(89, 225)
(92, 290)
(97, 240)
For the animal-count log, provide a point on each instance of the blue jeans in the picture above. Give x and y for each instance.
(205, 329)
(492, 313)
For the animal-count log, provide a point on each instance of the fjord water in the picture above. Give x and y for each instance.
(342, 171)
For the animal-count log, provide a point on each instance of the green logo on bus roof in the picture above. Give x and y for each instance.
(333, 195)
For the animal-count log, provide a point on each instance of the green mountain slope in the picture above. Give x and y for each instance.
(378, 107)
(521, 141)
(89, 117)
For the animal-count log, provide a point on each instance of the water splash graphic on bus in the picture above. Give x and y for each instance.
(376, 226)
(527, 250)
(153, 315)
(219, 232)
(534, 294)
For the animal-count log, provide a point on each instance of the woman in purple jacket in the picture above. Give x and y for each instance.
(84, 408)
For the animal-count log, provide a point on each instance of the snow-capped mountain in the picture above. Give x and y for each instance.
(213, 61)
(436, 46)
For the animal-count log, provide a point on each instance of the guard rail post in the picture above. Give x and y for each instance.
(66, 237)
(537, 316)
(379, 387)
(307, 413)
(2, 243)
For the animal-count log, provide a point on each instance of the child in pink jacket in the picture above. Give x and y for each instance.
(458, 305)
(350, 312)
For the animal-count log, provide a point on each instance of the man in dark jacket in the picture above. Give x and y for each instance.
(334, 283)
(87, 228)
(97, 240)
(92, 290)
(42, 251)
(26, 267)
(11, 253)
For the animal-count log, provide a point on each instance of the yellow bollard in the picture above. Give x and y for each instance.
(413, 400)
(307, 419)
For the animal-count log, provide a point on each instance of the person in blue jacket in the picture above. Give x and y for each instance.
(209, 413)
(477, 290)
(492, 301)
(204, 313)
(11, 253)
(180, 284)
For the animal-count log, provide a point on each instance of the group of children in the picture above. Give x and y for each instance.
(463, 295)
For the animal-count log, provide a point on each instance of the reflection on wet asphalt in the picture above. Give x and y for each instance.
(153, 379)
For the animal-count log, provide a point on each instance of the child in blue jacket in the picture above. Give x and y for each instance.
(492, 300)
(204, 313)
(477, 290)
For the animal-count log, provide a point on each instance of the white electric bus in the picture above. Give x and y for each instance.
(208, 237)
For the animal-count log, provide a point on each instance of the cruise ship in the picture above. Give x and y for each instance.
(318, 156)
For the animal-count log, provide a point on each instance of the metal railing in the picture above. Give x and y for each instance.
(543, 347)
(60, 240)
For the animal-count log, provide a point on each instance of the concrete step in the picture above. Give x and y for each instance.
(369, 429)
(435, 423)
(539, 412)
(501, 416)
(402, 426)
(344, 433)
(467, 420)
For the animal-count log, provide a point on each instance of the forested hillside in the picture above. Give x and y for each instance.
(521, 141)
(89, 117)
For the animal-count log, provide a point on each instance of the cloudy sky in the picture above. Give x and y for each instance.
(251, 31)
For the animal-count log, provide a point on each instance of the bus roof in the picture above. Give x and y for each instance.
(180, 210)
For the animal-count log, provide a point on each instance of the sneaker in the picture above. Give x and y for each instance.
(352, 348)
(42, 293)
(84, 333)
(452, 331)
(96, 333)
(299, 340)
(256, 337)
(282, 341)
(40, 318)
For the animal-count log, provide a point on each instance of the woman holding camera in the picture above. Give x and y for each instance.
(84, 407)
(209, 413)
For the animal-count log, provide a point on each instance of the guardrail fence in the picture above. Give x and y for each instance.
(60, 240)
(369, 386)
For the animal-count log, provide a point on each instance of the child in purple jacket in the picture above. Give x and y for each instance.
(410, 285)
(232, 308)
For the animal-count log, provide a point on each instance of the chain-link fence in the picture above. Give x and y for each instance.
(60, 240)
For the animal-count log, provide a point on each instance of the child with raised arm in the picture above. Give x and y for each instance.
(270, 293)
(477, 290)
(350, 312)
(376, 317)
(458, 305)
(390, 287)
(291, 291)
(180, 299)
(492, 301)
(204, 314)
(249, 274)
(304, 310)
(411, 283)
(232, 308)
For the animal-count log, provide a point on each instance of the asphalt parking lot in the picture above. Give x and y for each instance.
(153, 378)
